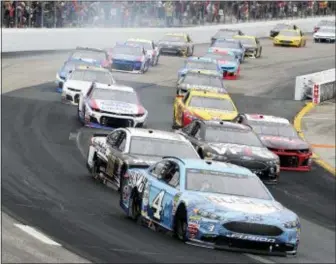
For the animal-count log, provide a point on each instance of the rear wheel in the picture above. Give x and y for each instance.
(135, 206)
(95, 172)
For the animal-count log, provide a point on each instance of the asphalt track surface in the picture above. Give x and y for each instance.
(45, 183)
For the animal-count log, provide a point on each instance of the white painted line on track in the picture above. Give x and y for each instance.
(38, 235)
(260, 259)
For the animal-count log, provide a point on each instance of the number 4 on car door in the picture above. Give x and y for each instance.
(157, 205)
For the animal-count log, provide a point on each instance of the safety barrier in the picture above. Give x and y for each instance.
(317, 87)
(14, 40)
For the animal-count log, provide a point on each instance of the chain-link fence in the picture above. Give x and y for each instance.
(51, 14)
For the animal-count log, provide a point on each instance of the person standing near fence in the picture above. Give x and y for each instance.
(169, 13)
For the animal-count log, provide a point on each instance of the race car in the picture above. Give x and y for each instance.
(324, 23)
(253, 48)
(110, 107)
(201, 80)
(150, 47)
(233, 45)
(211, 204)
(290, 37)
(281, 26)
(279, 136)
(228, 62)
(111, 155)
(233, 143)
(67, 68)
(199, 63)
(225, 33)
(80, 80)
(98, 57)
(130, 58)
(176, 43)
(203, 105)
(325, 34)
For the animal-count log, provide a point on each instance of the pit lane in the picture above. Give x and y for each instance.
(45, 181)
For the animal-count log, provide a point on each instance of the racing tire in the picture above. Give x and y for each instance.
(157, 60)
(135, 206)
(95, 172)
(259, 55)
(181, 225)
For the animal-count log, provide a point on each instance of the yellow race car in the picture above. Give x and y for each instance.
(204, 105)
(290, 37)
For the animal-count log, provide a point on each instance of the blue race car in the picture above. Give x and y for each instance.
(227, 61)
(67, 67)
(130, 58)
(233, 45)
(199, 63)
(214, 204)
(98, 57)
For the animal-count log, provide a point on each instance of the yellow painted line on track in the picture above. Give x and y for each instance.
(298, 126)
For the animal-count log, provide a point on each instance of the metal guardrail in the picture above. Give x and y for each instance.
(59, 14)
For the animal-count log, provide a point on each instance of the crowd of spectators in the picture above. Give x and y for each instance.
(152, 13)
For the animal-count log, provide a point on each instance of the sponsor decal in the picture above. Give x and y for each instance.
(125, 192)
(193, 229)
(175, 202)
(138, 180)
(252, 238)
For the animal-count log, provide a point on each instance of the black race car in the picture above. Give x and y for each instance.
(176, 44)
(233, 143)
(226, 33)
(281, 26)
(110, 155)
(279, 136)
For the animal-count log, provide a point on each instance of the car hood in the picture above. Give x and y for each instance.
(214, 114)
(186, 86)
(238, 208)
(242, 151)
(78, 85)
(287, 38)
(117, 107)
(324, 34)
(227, 63)
(125, 57)
(285, 143)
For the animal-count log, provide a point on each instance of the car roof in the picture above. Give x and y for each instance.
(222, 51)
(227, 40)
(212, 94)
(226, 124)
(290, 30)
(155, 134)
(203, 72)
(202, 59)
(213, 165)
(244, 37)
(114, 87)
(267, 118)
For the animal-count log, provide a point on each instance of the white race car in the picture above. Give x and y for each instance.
(325, 34)
(80, 79)
(111, 106)
(150, 47)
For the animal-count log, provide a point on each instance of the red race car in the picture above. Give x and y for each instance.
(279, 136)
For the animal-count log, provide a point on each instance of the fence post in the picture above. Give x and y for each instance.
(16, 14)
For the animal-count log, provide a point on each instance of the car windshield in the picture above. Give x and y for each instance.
(203, 80)
(219, 56)
(226, 44)
(201, 65)
(92, 76)
(127, 50)
(289, 33)
(217, 103)
(225, 183)
(248, 41)
(327, 30)
(233, 136)
(89, 54)
(161, 147)
(273, 130)
(174, 38)
(225, 33)
(146, 45)
(115, 95)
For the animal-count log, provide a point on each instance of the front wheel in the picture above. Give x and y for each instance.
(181, 225)
(134, 206)
(95, 172)
(259, 55)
